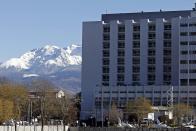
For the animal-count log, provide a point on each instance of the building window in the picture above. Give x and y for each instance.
(106, 29)
(192, 71)
(106, 61)
(151, 69)
(183, 71)
(183, 33)
(183, 43)
(192, 33)
(106, 45)
(183, 82)
(136, 44)
(136, 28)
(184, 52)
(167, 43)
(167, 77)
(136, 77)
(167, 35)
(192, 24)
(121, 29)
(183, 62)
(192, 43)
(136, 61)
(167, 52)
(183, 25)
(167, 69)
(121, 69)
(151, 77)
(151, 52)
(151, 44)
(167, 27)
(120, 77)
(121, 53)
(105, 69)
(105, 77)
(106, 53)
(136, 69)
(121, 37)
(192, 82)
(167, 60)
(106, 37)
(136, 52)
(151, 60)
(151, 27)
(151, 36)
(192, 61)
(121, 44)
(121, 61)
(136, 36)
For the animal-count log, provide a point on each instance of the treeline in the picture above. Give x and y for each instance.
(41, 102)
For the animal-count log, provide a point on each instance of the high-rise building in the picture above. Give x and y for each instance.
(130, 55)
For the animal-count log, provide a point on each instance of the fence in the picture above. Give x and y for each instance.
(33, 128)
(130, 129)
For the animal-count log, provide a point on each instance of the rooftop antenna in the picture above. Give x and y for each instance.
(106, 11)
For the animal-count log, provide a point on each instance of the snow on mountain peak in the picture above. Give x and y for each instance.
(49, 58)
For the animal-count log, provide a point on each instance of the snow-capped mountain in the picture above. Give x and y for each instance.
(50, 62)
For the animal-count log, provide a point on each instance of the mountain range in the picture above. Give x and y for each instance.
(61, 66)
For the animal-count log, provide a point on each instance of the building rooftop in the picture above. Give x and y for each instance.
(145, 15)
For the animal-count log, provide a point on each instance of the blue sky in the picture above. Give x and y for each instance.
(29, 24)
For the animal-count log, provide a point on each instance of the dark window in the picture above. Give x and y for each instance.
(136, 44)
(121, 29)
(184, 25)
(167, 69)
(136, 28)
(167, 52)
(192, 61)
(192, 24)
(167, 35)
(105, 77)
(136, 77)
(183, 62)
(167, 43)
(183, 43)
(121, 44)
(183, 71)
(151, 27)
(121, 37)
(151, 44)
(120, 77)
(121, 61)
(192, 33)
(184, 52)
(151, 60)
(136, 36)
(151, 36)
(136, 61)
(151, 52)
(106, 45)
(136, 69)
(167, 60)
(105, 69)
(151, 77)
(106, 53)
(106, 61)
(106, 29)
(167, 27)
(121, 53)
(151, 69)
(183, 33)
(106, 37)
(136, 52)
(192, 43)
(121, 69)
(192, 82)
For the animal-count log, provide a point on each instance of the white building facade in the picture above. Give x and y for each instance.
(132, 55)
